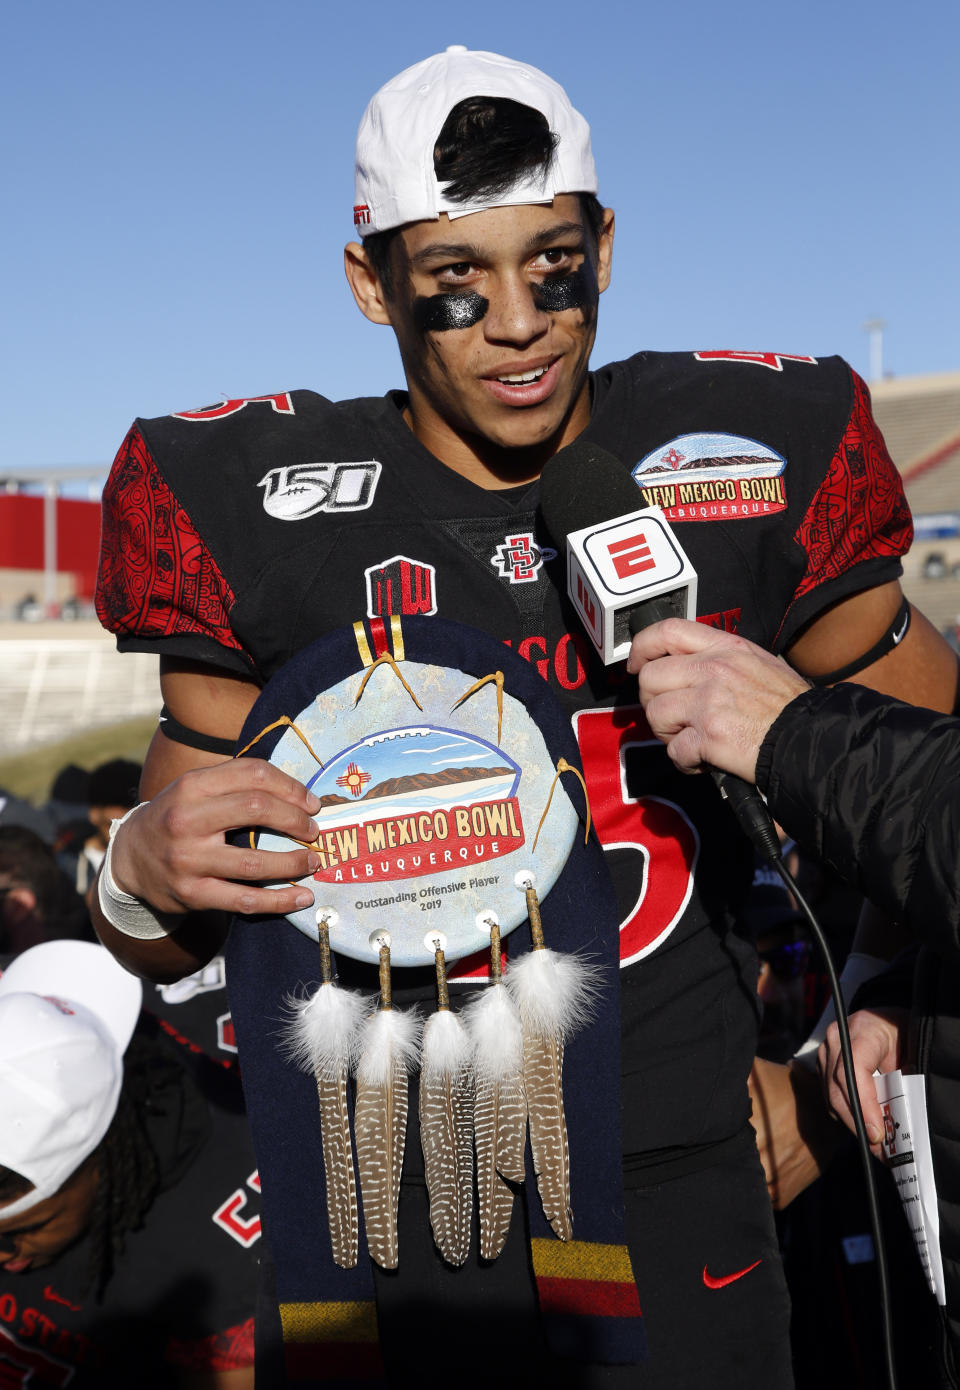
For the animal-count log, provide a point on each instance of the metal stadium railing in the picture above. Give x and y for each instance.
(51, 688)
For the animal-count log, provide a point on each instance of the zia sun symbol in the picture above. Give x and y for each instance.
(353, 780)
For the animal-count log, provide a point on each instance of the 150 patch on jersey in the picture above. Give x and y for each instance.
(303, 489)
(713, 477)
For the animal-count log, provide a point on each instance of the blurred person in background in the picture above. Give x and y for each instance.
(112, 791)
(69, 795)
(37, 901)
(770, 918)
(113, 1269)
(14, 810)
(108, 793)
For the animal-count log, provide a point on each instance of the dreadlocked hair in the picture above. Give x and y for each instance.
(13, 1185)
(486, 146)
(127, 1166)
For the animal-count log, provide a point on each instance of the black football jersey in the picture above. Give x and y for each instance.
(238, 533)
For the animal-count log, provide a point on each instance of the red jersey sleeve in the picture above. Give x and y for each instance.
(158, 586)
(858, 514)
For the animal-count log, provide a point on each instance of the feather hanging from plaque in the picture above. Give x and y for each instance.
(389, 1045)
(321, 1037)
(446, 1122)
(554, 993)
(499, 1111)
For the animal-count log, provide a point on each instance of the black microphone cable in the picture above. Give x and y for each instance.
(765, 840)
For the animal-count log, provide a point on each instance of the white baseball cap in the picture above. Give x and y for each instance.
(67, 1013)
(395, 179)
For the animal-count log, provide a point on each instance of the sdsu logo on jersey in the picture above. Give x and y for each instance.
(519, 558)
(303, 489)
(712, 477)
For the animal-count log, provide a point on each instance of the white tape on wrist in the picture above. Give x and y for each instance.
(131, 916)
(857, 969)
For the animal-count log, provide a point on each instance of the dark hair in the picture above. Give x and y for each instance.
(13, 1185)
(487, 145)
(26, 861)
(129, 1171)
(115, 783)
(71, 784)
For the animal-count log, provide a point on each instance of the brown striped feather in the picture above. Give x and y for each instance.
(500, 1129)
(338, 1166)
(380, 1124)
(446, 1134)
(542, 1068)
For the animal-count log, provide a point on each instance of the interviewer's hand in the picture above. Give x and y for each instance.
(709, 695)
(795, 1135)
(173, 853)
(876, 1041)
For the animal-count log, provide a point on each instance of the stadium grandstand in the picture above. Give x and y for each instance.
(60, 673)
(920, 419)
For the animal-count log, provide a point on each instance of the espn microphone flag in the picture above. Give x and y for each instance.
(617, 566)
(625, 567)
(626, 570)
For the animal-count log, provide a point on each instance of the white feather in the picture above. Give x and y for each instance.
(493, 1024)
(388, 1036)
(555, 993)
(446, 1046)
(322, 1031)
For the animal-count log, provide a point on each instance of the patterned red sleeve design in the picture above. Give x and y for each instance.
(221, 1351)
(156, 576)
(859, 511)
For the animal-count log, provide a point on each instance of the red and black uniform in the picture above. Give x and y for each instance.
(238, 534)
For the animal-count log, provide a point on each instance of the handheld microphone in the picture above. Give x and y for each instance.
(625, 571)
(625, 568)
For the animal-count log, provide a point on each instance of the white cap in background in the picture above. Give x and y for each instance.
(67, 1012)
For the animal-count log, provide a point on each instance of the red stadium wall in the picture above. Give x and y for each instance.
(78, 537)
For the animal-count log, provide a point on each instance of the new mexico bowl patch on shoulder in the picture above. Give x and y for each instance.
(713, 477)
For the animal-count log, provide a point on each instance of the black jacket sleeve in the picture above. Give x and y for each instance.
(872, 787)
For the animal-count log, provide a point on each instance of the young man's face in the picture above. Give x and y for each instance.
(495, 316)
(37, 1236)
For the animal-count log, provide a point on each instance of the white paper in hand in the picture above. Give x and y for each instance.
(906, 1148)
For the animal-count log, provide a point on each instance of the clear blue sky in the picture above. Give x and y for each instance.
(178, 186)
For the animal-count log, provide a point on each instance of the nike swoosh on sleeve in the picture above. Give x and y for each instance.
(721, 1281)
